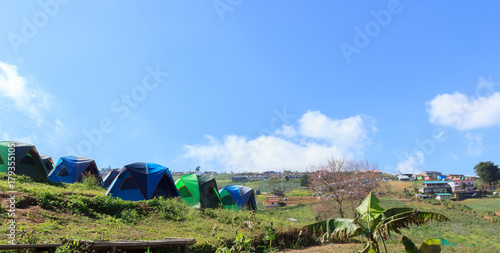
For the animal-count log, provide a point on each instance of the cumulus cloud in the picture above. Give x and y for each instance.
(411, 163)
(313, 139)
(26, 98)
(466, 112)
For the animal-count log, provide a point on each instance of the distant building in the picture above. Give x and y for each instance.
(432, 174)
(456, 188)
(239, 179)
(211, 173)
(272, 202)
(403, 178)
(441, 177)
(443, 195)
(431, 187)
(378, 172)
(454, 176)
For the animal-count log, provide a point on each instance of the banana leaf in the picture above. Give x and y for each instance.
(370, 207)
(405, 217)
(338, 228)
(428, 246)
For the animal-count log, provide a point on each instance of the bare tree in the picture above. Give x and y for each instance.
(345, 183)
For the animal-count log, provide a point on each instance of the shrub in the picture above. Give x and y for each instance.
(91, 182)
(112, 206)
(48, 200)
(169, 209)
(130, 216)
(81, 204)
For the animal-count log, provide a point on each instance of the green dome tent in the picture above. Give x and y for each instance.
(27, 160)
(198, 191)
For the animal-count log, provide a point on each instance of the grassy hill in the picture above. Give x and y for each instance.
(46, 212)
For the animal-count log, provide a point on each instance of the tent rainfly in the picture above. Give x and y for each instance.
(235, 197)
(47, 161)
(108, 179)
(143, 181)
(72, 169)
(25, 159)
(199, 191)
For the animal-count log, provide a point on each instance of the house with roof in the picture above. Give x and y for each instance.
(454, 176)
(430, 175)
(441, 177)
(462, 188)
(431, 187)
(403, 178)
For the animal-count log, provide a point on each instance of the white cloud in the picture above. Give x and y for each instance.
(474, 144)
(26, 98)
(411, 164)
(465, 113)
(314, 139)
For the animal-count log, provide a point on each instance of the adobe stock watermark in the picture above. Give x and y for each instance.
(11, 212)
(364, 35)
(31, 26)
(121, 107)
(223, 6)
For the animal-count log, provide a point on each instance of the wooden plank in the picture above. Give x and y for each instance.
(110, 245)
(27, 246)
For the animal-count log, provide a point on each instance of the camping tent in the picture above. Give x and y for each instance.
(47, 161)
(110, 177)
(143, 181)
(198, 190)
(234, 197)
(72, 169)
(26, 158)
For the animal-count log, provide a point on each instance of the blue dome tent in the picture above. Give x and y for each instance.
(143, 181)
(72, 169)
(110, 177)
(236, 197)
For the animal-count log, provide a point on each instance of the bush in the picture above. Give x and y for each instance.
(169, 209)
(48, 200)
(81, 204)
(91, 182)
(130, 216)
(112, 206)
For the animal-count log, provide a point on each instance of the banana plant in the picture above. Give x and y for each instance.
(374, 222)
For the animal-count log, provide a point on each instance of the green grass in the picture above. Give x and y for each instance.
(463, 229)
(50, 211)
(485, 204)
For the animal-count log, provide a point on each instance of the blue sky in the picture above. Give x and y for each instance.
(254, 85)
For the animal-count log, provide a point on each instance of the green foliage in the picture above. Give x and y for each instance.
(375, 222)
(304, 180)
(130, 216)
(81, 205)
(70, 247)
(91, 182)
(240, 244)
(428, 246)
(270, 231)
(488, 172)
(50, 201)
(480, 212)
(169, 209)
